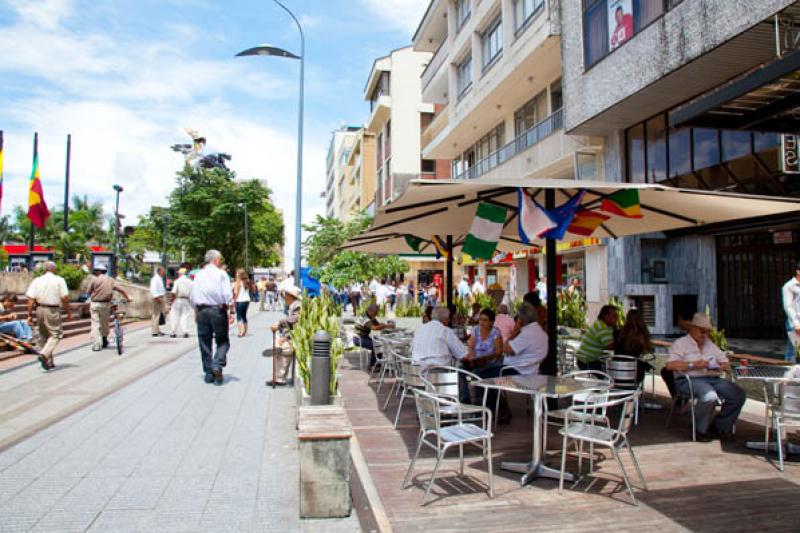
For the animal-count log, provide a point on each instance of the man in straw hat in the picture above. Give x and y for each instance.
(212, 298)
(101, 290)
(181, 313)
(695, 356)
(283, 352)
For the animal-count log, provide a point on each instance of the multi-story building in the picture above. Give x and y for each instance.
(495, 79)
(700, 94)
(339, 149)
(360, 175)
(397, 116)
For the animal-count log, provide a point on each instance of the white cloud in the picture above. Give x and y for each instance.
(401, 15)
(45, 14)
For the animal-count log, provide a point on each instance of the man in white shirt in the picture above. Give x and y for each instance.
(463, 289)
(212, 299)
(694, 355)
(381, 294)
(791, 306)
(478, 287)
(541, 286)
(181, 313)
(435, 343)
(373, 286)
(158, 292)
(528, 348)
(48, 293)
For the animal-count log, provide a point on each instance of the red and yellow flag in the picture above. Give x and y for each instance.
(37, 207)
(585, 222)
(624, 203)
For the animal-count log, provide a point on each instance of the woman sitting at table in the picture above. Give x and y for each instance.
(634, 340)
(485, 345)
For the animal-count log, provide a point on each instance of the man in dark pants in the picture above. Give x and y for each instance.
(212, 299)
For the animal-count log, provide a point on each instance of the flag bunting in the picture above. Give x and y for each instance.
(624, 203)
(585, 222)
(413, 242)
(484, 234)
(441, 247)
(562, 216)
(533, 219)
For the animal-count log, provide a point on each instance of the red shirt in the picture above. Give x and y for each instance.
(623, 31)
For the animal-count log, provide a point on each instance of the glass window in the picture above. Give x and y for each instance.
(646, 11)
(524, 11)
(428, 166)
(636, 154)
(735, 144)
(527, 116)
(463, 11)
(556, 96)
(492, 42)
(656, 149)
(706, 148)
(464, 75)
(680, 151)
(595, 30)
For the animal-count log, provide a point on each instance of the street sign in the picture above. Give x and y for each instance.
(152, 257)
(790, 154)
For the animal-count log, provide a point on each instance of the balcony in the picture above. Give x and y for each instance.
(434, 66)
(437, 125)
(381, 111)
(526, 140)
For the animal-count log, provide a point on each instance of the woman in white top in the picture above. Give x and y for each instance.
(241, 295)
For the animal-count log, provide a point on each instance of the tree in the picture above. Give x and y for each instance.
(327, 234)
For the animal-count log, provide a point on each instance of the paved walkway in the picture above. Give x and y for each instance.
(166, 453)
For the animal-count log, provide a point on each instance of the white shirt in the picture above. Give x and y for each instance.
(355, 287)
(530, 349)
(463, 288)
(478, 288)
(436, 344)
(48, 289)
(686, 350)
(791, 301)
(381, 294)
(373, 285)
(244, 294)
(182, 288)
(542, 288)
(211, 287)
(157, 289)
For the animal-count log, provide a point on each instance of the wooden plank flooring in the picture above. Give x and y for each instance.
(692, 486)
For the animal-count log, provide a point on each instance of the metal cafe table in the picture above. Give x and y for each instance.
(539, 388)
(768, 376)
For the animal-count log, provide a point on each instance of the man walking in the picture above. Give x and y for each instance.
(48, 293)
(101, 289)
(181, 312)
(212, 298)
(791, 305)
(159, 294)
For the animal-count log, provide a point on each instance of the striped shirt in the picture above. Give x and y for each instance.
(596, 339)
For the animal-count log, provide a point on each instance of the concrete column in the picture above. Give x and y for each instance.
(477, 59)
(507, 10)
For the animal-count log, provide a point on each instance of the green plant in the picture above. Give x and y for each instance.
(72, 274)
(486, 301)
(571, 310)
(516, 303)
(462, 307)
(717, 336)
(617, 303)
(317, 314)
(411, 309)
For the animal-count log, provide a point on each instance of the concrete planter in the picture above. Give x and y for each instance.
(304, 399)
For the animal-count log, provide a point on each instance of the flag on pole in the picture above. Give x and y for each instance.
(1, 169)
(624, 203)
(533, 219)
(37, 208)
(487, 226)
(562, 216)
(585, 222)
(440, 245)
(413, 242)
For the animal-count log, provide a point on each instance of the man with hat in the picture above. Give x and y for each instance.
(283, 357)
(181, 313)
(101, 290)
(696, 357)
(48, 293)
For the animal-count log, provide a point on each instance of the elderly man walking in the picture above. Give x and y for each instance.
(159, 295)
(212, 298)
(101, 289)
(48, 293)
(181, 313)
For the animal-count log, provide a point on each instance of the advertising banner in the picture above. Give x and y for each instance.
(620, 22)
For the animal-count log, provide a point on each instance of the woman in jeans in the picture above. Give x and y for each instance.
(241, 295)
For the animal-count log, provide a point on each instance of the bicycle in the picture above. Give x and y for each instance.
(118, 313)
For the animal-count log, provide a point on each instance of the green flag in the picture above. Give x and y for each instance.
(413, 242)
(487, 226)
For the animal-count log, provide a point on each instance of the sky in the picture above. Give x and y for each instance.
(126, 79)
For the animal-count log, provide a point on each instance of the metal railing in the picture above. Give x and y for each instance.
(526, 139)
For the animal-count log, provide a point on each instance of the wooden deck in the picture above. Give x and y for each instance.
(692, 486)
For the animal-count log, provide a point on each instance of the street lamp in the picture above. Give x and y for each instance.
(267, 50)
(115, 261)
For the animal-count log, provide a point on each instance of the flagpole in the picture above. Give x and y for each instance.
(449, 281)
(33, 228)
(1, 171)
(549, 366)
(66, 183)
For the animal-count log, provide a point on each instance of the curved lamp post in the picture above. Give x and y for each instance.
(115, 262)
(267, 50)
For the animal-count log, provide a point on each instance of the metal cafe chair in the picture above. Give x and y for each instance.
(443, 381)
(580, 426)
(623, 370)
(786, 415)
(409, 379)
(441, 438)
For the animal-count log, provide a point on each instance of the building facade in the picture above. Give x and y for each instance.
(495, 79)
(342, 141)
(698, 94)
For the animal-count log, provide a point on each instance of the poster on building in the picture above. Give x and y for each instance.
(620, 22)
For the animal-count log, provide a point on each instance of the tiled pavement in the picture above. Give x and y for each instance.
(167, 453)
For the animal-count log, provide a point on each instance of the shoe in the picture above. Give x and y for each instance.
(185, 335)
(172, 336)
(209, 378)
(217, 377)
(96, 348)
(270, 383)
(704, 437)
(44, 363)
(50, 363)
(105, 342)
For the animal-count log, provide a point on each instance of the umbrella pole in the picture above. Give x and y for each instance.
(549, 365)
(449, 277)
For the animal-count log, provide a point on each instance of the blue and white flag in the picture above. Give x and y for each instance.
(534, 221)
(563, 215)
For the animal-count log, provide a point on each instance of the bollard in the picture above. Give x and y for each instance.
(320, 368)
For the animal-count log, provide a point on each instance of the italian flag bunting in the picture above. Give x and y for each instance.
(487, 226)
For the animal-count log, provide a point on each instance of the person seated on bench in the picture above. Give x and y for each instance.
(9, 324)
